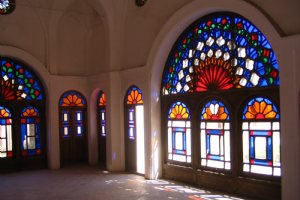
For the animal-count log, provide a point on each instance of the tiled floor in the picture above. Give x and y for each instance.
(89, 183)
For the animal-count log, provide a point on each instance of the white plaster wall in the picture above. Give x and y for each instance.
(286, 54)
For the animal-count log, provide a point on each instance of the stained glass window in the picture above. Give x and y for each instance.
(17, 82)
(215, 135)
(30, 131)
(5, 133)
(6, 6)
(179, 133)
(140, 2)
(102, 113)
(134, 96)
(261, 137)
(72, 98)
(220, 52)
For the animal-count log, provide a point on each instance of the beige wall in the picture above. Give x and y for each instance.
(109, 46)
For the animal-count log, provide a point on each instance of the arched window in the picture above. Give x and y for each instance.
(215, 135)
(22, 93)
(261, 137)
(30, 131)
(7, 6)
(134, 130)
(101, 118)
(179, 133)
(73, 128)
(5, 133)
(216, 65)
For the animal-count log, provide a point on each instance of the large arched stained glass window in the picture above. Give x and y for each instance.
(6, 142)
(179, 133)
(30, 131)
(101, 104)
(215, 135)
(261, 137)
(220, 52)
(6, 6)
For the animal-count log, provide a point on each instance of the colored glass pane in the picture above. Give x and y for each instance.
(6, 6)
(260, 108)
(214, 110)
(219, 52)
(4, 112)
(179, 111)
(30, 112)
(140, 2)
(72, 98)
(102, 99)
(6, 143)
(134, 96)
(17, 82)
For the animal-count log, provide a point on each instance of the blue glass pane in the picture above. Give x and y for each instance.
(252, 147)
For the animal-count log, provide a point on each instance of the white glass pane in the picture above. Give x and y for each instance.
(203, 162)
(65, 117)
(179, 140)
(202, 126)
(214, 125)
(214, 144)
(103, 129)
(102, 116)
(169, 123)
(9, 138)
(130, 115)
(79, 130)
(179, 158)
(178, 123)
(227, 145)
(2, 145)
(221, 145)
(277, 172)
(2, 155)
(170, 140)
(245, 126)
(2, 131)
(170, 157)
(188, 124)
(260, 147)
(276, 126)
(131, 132)
(188, 142)
(276, 148)
(227, 165)
(215, 163)
(246, 146)
(261, 169)
(79, 116)
(189, 159)
(31, 142)
(30, 129)
(260, 125)
(226, 126)
(140, 139)
(246, 168)
(203, 144)
(66, 131)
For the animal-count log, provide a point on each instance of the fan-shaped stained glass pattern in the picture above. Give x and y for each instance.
(215, 136)
(179, 111)
(134, 96)
(219, 52)
(102, 99)
(261, 138)
(214, 110)
(5, 133)
(17, 82)
(30, 131)
(6, 6)
(72, 98)
(260, 108)
(179, 134)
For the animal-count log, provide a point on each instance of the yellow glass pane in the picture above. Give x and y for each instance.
(185, 116)
(262, 106)
(249, 115)
(223, 116)
(208, 111)
(256, 107)
(268, 109)
(270, 115)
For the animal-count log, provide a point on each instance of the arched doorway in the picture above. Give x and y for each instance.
(73, 132)
(134, 131)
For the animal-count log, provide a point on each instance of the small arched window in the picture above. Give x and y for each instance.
(215, 135)
(30, 131)
(101, 105)
(7, 6)
(261, 137)
(6, 142)
(179, 133)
